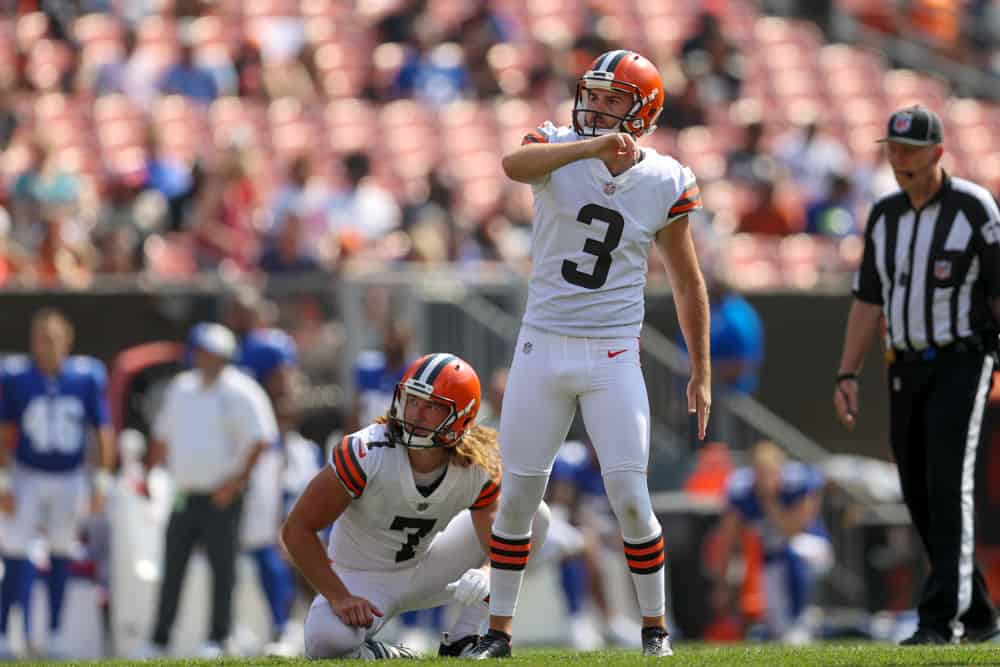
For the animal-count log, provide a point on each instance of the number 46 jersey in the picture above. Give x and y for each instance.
(591, 239)
(52, 414)
(390, 525)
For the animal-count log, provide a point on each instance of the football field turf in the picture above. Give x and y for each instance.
(860, 655)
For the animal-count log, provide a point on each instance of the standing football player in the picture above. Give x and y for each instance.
(47, 403)
(600, 202)
(411, 498)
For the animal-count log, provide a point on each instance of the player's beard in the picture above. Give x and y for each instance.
(592, 129)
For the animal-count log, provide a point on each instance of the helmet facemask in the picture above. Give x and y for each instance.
(415, 435)
(629, 123)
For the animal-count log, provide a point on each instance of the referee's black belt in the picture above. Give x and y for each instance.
(972, 345)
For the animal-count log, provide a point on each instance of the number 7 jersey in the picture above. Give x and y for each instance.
(390, 525)
(591, 239)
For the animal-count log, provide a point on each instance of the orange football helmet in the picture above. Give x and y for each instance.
(626, 72)
(440, 378)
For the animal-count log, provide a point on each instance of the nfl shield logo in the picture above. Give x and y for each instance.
(610, 187)
(901, 123)
(422, 506)
(942, 269)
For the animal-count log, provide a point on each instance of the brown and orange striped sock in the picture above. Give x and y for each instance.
(508, 558)
(645, 561)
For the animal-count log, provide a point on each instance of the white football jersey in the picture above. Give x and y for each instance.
(389, 525)
(591, 239)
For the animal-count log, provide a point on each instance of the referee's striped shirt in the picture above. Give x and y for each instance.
(933, 270)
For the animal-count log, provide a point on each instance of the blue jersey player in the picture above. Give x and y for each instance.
(780, 501)
(270, 356)
(49, 402)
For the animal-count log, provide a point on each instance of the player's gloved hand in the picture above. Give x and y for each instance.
(471, 588)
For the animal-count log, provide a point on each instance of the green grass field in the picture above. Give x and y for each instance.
(841, 655)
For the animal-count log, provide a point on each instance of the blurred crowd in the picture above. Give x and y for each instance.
(967, 31)
(172, 137)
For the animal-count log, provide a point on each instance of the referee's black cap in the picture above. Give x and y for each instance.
(916, 125)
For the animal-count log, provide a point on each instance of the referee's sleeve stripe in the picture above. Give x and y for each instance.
(349, 469)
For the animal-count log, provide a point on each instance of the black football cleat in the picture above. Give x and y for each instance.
(374, 649)
(458, 648)
(491, 645)
(982, 635)
(925, 636)
(656, 643)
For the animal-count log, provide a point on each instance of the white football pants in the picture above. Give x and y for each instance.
(549, 373)
(454, 551)
(49, 503)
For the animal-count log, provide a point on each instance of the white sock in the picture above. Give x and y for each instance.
(470, 621)
(645, 563)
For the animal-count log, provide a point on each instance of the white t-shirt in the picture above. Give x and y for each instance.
(389, 525)
(210, 431)
(591, 239)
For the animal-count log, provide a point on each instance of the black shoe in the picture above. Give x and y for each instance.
(374, 649)
(924, 636)
(491, 645)
(656, 642)
(458, 648)
(981, 635)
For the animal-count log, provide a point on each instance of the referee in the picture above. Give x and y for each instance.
(931, 266)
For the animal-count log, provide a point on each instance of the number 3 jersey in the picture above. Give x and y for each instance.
(52, 413)
(390, 525)
(591, 239)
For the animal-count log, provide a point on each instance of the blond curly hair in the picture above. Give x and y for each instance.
(477, 447)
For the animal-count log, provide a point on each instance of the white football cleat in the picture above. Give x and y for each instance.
(656, 643)
(283, 649)
(150, 651)
(211, 651)
(623, 631)
(56, 647)
(583, 635)
(6, 654)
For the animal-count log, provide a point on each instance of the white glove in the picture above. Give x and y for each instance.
(472, 588)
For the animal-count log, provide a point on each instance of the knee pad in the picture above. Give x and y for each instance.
(326, 636)
(519, 501)
(629, 498)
